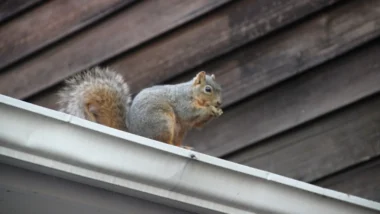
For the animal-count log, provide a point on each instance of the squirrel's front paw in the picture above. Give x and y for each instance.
(216, 111)
(219, 112)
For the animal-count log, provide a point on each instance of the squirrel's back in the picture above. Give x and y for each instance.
(99, 95)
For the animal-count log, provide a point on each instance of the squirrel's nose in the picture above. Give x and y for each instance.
(218, 104)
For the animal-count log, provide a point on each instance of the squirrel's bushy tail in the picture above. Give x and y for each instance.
(99, 95)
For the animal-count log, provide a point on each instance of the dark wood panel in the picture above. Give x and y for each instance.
(240, 22)
(136, 25)
(47, 98)
(216, 34)
(362, 181)
(293, 50)
(292, 103)
(49, 23)
(318, 149)
(10, 8)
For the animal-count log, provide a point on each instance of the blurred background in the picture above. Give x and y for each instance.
(301, 79)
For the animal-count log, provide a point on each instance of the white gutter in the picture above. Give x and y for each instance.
(100, 156)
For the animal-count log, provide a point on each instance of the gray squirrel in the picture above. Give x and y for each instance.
(164, 113)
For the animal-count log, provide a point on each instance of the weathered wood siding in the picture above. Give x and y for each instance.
(301, 79)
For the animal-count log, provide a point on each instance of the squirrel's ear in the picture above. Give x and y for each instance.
(200, 78)
(213, 76)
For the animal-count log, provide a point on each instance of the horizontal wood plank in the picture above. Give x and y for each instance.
(293, 50)
(222, 31)
(50, 23)
(362, 181)
(47, 98)
(10, 8)
(136, 25)
(239, 22)
(315, 93)
(317, 149)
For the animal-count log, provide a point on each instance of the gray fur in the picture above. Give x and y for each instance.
(71, 97)
(147, 107)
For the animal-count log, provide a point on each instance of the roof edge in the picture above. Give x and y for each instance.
(148, 169)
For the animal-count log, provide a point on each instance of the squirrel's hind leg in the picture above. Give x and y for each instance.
(167, 134)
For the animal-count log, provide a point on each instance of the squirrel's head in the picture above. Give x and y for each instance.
(206, 90)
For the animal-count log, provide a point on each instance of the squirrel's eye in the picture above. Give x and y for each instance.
(208, 89)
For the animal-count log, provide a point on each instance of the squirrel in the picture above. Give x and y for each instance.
(164, 112)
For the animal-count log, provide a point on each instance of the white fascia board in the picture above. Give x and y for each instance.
(119, 161)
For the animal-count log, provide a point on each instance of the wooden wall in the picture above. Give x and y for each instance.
(301, 79)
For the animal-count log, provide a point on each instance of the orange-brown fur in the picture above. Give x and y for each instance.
(171, 126)
(102, 107)
(174, 133)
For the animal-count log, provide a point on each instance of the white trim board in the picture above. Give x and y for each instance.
(90, 153)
